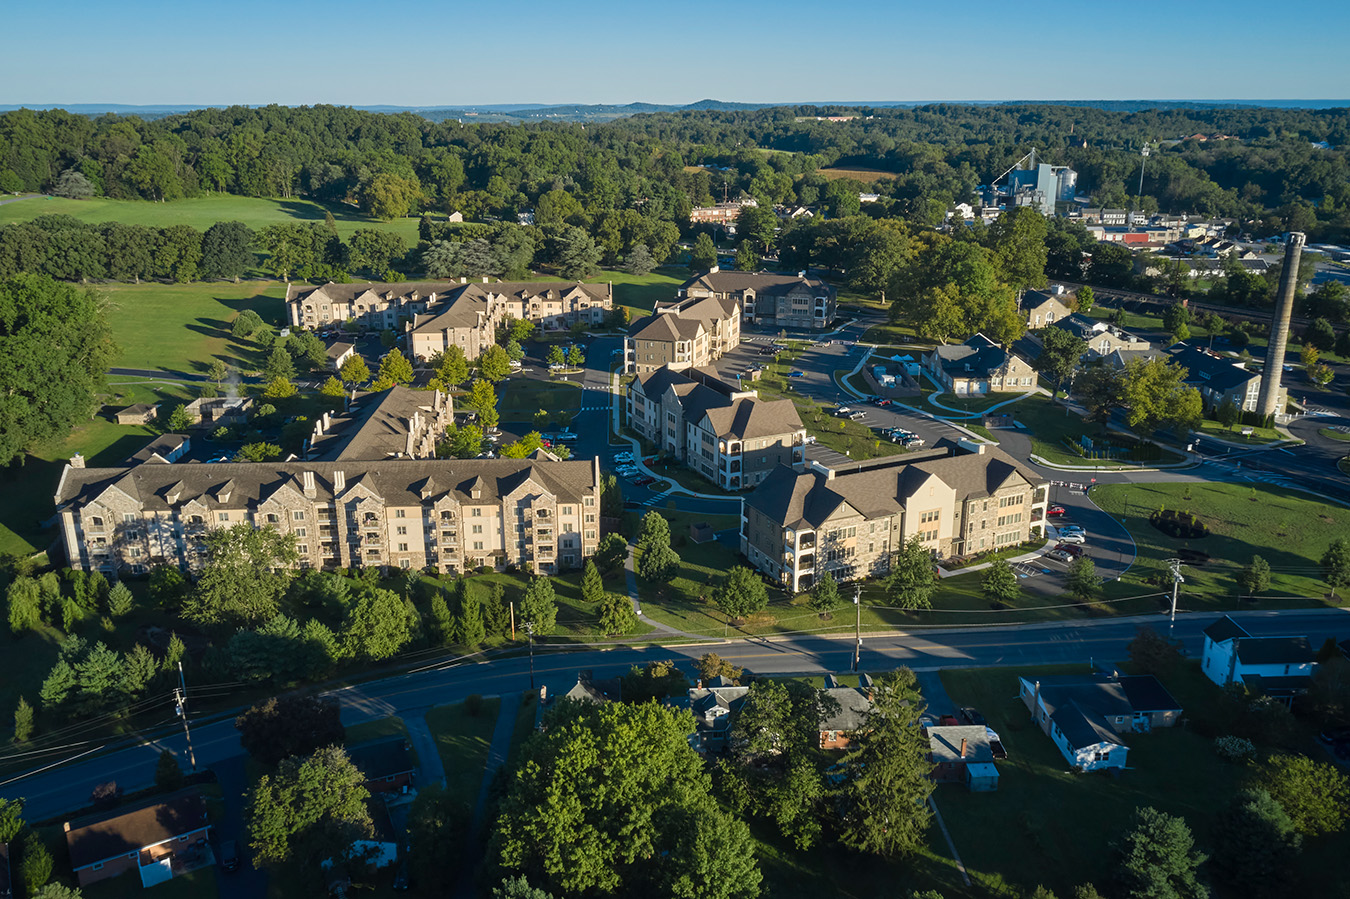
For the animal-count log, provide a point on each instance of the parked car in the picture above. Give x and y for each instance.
(1073, 538)
(1072, 549)
(1059, 555)
(843, 411)
(624, 457)
(1070, 529)
(859, 415)
(644, 480)
(1054, 511)
(912, 442)
(974, 717)
(229, 855)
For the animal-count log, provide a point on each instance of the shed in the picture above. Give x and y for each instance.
(701, 533)
(139, 414)
(982, 777)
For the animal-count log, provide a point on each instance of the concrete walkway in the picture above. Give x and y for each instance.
(1025, 557)
(424, 744)
(932, 399)
(497, 752)
(630, 577)
(935, 694)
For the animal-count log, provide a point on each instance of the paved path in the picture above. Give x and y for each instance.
(497, 753)
(248, 882)
(630, 577)
(424, 744)
(935, 694)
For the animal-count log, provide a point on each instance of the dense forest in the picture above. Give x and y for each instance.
(1261, 165)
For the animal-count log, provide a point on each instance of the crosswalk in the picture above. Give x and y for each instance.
(657, 500)
(603, 408)
(1234, 472)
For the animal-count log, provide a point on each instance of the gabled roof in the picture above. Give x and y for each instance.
(759, 282)
(977, 357)
(158, 448)
(376, 426)
(1084, 727)
(1204, 369)
(945, 743)
(752, 418)
(854, 707)
(1275, 651)
(665, 327)
(1225, 629)
(98, 838)
(588, 689)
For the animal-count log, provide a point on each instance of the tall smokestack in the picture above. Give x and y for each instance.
(1279, 325)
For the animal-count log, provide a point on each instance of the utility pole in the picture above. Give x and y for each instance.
(179, 698)
(529, 630)
(1177, 581)
(513, 620)
(857, 629)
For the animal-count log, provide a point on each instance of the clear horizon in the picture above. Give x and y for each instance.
(418, 53)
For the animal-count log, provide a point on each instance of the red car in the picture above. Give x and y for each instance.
(1070, 548)
(1054, 511)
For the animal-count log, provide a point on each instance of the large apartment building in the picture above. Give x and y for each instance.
(398, 423)
(958, 499)
(726, 434)
(448, 313)
(777, 301)
(689, 333)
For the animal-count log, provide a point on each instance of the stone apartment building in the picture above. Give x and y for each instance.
(1045, 307)
(726, 434)
(689, 333)
(449, 515)
(776, 301)
(979, 366)
(398, 423)
(441, 314)
(958, 499)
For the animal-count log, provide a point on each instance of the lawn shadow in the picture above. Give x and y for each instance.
(118, 451)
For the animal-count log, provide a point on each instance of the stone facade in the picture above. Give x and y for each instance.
(690, 333)
(978, 367)
(777, 301)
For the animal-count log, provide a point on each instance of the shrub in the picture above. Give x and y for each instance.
(1234, 749)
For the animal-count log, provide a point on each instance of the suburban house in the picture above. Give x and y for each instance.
(387, 764)
(957, 499)
(468, 315)
(159, 839)
(1084, 715)
(713, 707)
(1102, 337)
(1280, 667)
(589, 689)
(963, 754)
(398, 423)
(846, 711)
(164, 448)
(139, 414)
(977, 367)
(453, 515)
(690, 333)
(1220, 378)
(777, 301)
(727, 434)
(1045, 307)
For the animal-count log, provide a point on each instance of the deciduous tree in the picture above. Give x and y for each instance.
(1152, 653)
(354, 370)
(1315, 794)
(999, 582)
(278, 728)
(394, 369)
(494, 365)
(246, 574)
(311, 810)
(825, 595)
(1336, 564)
(1254, 578)
(741, 593)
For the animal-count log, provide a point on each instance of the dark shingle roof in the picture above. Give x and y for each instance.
(1207, 370)
(752, 418)
(101, 837)
(161, 446)
(666, 327)
(1275, 651)
(1147, 694)
(978, 356)
(759, 282)
(376, 426)
(854, 707)
(1225, 629)
(1083, 727)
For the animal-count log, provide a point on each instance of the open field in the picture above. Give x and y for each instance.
(866, 176)
(1288, 529)
(203, 212)
(1055, 827)
(184, 327)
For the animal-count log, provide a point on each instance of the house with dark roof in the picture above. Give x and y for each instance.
(158, 838)
(1281, 667)
(1220, 378)
(590, 689)
(956, 498)
(1045, 307)
(845, 711)
(727, 434)
(1085, 715)
(963, 754)
(977, 367)
(776, 301)
(398, 423)
(163, 449)
(387, 764)
(338, 352)
(1101, 337)
(713, 707)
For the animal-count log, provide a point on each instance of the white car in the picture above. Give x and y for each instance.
(1070, 529)
(1078, 538)
(623, 457)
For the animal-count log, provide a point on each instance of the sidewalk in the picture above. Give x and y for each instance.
(424, 744)
(630, 576)
(1025, 557)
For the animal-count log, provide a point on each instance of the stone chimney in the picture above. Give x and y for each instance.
(339, 482)
(963, 747)
(77, 460)
(307, 481)
(715, 269)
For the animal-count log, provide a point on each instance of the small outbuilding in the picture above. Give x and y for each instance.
(982, 777)
(139, 414)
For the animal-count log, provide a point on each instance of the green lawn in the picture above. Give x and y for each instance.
(1286, 528)
(203, 212)
(26, 490)
(374, 730)
(1050, 425)
(463, 740)
(522, 399)
(1334, 434)
(577, 619)
(199, 884)
(1258, 437)
(185, 327)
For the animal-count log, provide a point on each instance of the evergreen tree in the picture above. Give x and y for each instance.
(58, 686)
(279, 365)
(35, 865)
(912, 579)
(656, 561)
(23, 721)
(138, 669)
(592, 586)
(539, 605)
(639, 261)
(168, 775)
(617, 615)
(1255, 576)
(1082, 579)
(440, 621)
(178, 420)
(120, 600)
(496, 615)
(1255, 845)
(1158, 859)
(469, 618)
(703, 256)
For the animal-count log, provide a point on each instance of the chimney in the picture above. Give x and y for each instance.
(963, 747)
(307, 481)
(339, 482)
(77, 460)
(801, 274)
(1279, 326)
(715, 269)
(408, 440)
(698, 685)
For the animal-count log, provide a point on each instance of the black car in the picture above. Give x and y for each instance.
(974, 717)
(229, 855)
(1335, 735)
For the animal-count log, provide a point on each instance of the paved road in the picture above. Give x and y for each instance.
(52, 793)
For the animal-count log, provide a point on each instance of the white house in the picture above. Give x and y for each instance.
(1281, 667)
(1085, 715)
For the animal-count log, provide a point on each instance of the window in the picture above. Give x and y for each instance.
(402, 529)
(223, 516)
(590, 500)
(1007, 501)
(477, 512)
(927, 517)
(301, 532)
(478, 529)
(96, 522)
(403, 547)
(273, 518)
(478, 544)
(128, 517)
(303, 549)
(400, 513)
(590, 535)
(298, 515)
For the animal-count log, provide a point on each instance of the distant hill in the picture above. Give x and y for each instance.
(603, 112)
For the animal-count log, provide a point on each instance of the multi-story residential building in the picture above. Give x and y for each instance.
(449, 515)
(957, 499)
(724, 214)
(1220, 378)
(442, 314)
(778, 301)
(977, 367)
(726, 434)
(398, 423)
(1103, 338)
(689, 333)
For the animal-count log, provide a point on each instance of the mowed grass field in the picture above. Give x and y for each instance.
(203, 212)
(857, 174)
(184, 327)
(1290, 530)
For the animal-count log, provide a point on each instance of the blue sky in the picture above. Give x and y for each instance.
(416, 53)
